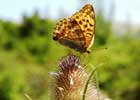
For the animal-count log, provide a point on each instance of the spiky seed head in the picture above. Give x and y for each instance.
(71, 80)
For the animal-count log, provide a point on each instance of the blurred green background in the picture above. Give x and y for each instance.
(28, 53)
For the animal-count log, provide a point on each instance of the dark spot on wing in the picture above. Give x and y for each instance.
(77, 17)
(69, 27)
(83, 20)
(58, 27)
(80, 22)
(73, 23)
(91, 25)
(65, 22)
(88, 29)
(89, 34)
(87, 21)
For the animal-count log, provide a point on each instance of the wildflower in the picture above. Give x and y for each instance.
(71, 80)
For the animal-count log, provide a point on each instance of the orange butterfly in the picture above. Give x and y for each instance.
(77, 32)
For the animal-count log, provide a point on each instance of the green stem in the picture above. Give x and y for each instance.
(86, 86)
(97, 84)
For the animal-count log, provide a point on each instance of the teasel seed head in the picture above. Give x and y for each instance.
(71, 80)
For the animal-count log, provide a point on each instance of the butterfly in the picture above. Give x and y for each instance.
(77, 32)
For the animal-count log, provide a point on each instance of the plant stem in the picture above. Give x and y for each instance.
(86, 86)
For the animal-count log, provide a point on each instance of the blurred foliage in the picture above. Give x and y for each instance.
(28, 53)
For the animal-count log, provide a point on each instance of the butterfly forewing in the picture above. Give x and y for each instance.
(86, 19)
(68, 29)
(77, 32)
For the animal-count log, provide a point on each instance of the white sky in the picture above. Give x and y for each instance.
(13, 9)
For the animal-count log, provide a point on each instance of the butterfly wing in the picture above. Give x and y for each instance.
(77, 32)
(69, 33)
(86, 20)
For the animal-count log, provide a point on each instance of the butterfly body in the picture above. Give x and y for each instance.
(77, 32)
